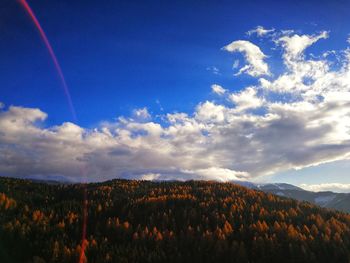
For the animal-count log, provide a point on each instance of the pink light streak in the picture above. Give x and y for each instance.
(82, 257)
(52, 54)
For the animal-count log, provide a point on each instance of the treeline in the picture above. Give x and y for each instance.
(139, 221)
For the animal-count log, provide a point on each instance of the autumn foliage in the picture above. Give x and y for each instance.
(139, 221)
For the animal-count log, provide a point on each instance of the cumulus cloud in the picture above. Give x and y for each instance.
(246, 99)
(256, 65)
(300, 118)
(210, 112)
(217, 89)
(334, 187)
(260, 31)
(303, 77)
(295, 45)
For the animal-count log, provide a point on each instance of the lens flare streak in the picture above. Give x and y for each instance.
(82, 257)
(52, 54)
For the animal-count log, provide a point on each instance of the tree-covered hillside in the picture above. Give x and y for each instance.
(139, 221)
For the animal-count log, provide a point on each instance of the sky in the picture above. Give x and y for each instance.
(223, 90)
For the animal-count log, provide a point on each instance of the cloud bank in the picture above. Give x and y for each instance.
(335, 187)
(296, 119)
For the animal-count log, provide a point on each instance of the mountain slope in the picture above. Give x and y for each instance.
(139, 221)
(327, 199)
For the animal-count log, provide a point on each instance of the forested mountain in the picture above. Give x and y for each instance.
(327, 199)
(140, 221)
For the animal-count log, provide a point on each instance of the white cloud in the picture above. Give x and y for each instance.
(303, 120)
(260, 31)
(303, 77)
(334, 187)
(235, 64)
(150, 176)
(141, 114)
(348, 40)
(246, 99)
(217, 173)
(210, 112)
(253, 55)
(295, 45)
(217, 89)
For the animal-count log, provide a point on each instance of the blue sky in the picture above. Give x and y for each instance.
(118, 56)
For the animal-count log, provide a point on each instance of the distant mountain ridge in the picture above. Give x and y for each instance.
(327, 199)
